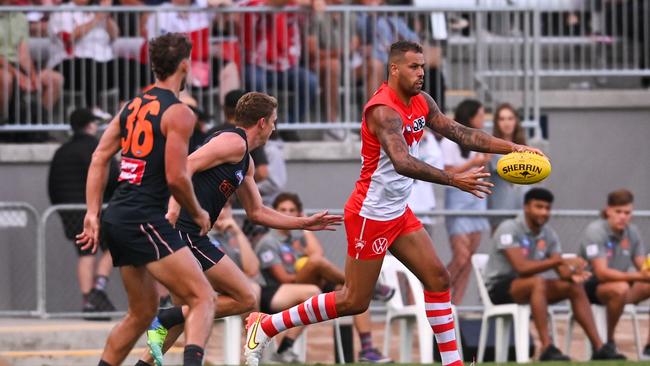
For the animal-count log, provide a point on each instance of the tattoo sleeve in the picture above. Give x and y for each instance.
(468, 138)
(388, 129)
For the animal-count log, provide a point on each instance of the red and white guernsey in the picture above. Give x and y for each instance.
(381, 193)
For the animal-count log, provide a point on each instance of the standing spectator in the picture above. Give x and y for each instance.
(613, 246)
(464, 231)
(276, 181)
(67, 184)
(273, 50)
(505, 195)
(18, 74)
(83, 52)
(521, 250)
(422, 196)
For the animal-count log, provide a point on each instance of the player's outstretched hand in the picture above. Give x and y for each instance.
(203, 220)
(472, 181)
(89, 238)
(322, 221)
(524, 148)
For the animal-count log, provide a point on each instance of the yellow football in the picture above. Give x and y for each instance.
(523, 168)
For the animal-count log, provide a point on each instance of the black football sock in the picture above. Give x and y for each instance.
(142, 363)
(285, 344)
(193, 355)
(170, 317)
(103, 363)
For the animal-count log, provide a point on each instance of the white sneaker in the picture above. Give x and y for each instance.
(256, 339)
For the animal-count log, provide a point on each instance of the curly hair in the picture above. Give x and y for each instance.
(166, 53)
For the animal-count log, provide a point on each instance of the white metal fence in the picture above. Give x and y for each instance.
(38, 271)
(326, 64)
(18, 261)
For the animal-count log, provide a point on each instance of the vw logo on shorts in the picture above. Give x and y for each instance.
(380, 245)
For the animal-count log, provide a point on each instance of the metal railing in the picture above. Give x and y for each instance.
(40, 261)
(493, 50)
(18, 269)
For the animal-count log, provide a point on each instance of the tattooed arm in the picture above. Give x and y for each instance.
(386, 124)
(469, 138)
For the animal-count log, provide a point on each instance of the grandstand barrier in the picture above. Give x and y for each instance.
(40, 262)
(490, 49)
(18, 240)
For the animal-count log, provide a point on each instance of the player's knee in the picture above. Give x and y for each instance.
(142, 315)
(350, 303)
(437, 280)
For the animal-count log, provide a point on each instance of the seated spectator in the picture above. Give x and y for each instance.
(615, 251)
(505, 195)
(82, 51)
(207, 71)
(281, 263)
(67, 184)
(230, 239)
(464, 231)
(325, 50)
(273, 48)
(18, 74)
(376, 32)
(524, 248)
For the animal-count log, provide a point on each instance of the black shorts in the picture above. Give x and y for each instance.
(266, 296)
(591, 285)
(133, 244)
(500, 291)
(203, 249)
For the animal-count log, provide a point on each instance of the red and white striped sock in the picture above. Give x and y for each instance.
(316, 309)
(438, 307)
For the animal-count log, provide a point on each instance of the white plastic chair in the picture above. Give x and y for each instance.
(505, 315)
(409, 315)
(600, 318)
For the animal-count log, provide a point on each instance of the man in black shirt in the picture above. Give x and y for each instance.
(66, 184)
(221, 167)
(152, 131)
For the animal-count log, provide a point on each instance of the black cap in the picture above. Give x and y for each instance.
(80, 118)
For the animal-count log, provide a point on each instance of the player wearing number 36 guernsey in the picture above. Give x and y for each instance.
(377, 218)
(152, 132)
